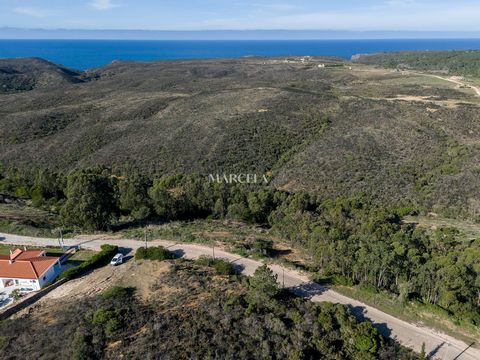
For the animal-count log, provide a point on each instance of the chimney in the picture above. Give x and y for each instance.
(14, 255)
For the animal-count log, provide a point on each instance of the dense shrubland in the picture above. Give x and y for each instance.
(454, 62)
(333, 131)
(220, 318)
(351, 239)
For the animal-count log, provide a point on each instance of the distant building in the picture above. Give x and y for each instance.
(29, 268)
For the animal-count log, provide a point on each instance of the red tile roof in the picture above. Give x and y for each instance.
(28, 264)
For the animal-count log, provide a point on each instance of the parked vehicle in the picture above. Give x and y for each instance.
(117, 260)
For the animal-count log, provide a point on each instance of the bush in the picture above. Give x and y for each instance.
(116, 292)
(21, 192)
(221, 266)
(102, 316)
(153, 253)
(112, 326)
(16, 294)
(36, 194)
(262, 247)
(98, 260)
(366, 343)
(341, 280)
(220, 324)
(3, 342)
(109, 319)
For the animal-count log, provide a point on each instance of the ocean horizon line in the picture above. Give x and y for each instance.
(7, 33)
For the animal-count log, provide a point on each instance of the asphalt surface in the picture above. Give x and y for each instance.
(437, 345)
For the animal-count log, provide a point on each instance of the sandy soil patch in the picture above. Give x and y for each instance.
(141, 275)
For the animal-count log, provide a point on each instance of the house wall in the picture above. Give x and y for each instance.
(50, 275)
(21, 282)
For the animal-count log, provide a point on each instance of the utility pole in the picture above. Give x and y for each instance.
(145, 237)
(213, 250)
(60, 239)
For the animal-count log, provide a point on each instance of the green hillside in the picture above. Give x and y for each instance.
(343, 129)
(453, 62)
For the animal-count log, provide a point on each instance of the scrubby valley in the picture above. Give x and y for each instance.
(339, 130)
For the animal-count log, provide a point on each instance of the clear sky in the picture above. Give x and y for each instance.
(421, 15)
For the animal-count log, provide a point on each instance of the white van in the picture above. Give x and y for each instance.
(117, 260)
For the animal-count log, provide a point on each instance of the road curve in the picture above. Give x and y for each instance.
(438, 345)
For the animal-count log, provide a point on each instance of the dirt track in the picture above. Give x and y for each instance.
(454, 80)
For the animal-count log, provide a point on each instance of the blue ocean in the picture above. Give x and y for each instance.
(85, 54)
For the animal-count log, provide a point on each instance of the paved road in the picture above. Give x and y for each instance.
(439, 345)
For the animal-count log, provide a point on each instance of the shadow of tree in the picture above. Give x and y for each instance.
(178, 253)
(278, 252)
(238, 267)
(125, 250)
(307, 290)
(359, 313)
(431, 354)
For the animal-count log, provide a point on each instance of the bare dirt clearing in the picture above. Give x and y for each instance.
(138, 274)
(142, 275)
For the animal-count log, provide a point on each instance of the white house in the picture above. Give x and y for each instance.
(29, 268)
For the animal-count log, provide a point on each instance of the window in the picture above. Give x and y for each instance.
(45, 278)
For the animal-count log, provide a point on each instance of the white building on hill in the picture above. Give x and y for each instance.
(29, 268)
